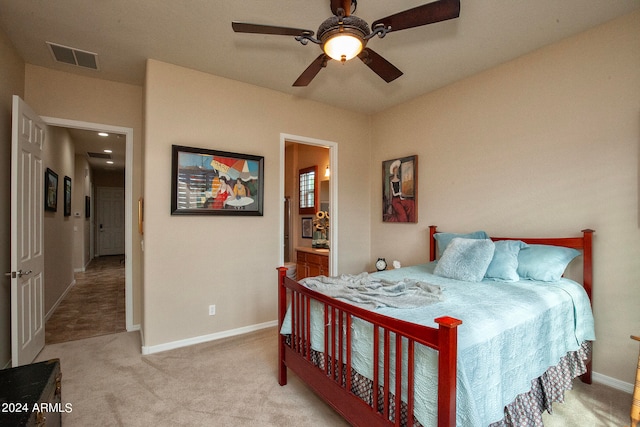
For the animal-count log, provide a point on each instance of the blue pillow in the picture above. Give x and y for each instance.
(504, 265)
(465, 259)
(444, 239)
(544, 262)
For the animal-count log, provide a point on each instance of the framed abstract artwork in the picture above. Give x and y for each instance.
(400, 190)
(50, 191)
(210, 182)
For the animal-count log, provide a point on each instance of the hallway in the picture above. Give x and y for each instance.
(94, 306)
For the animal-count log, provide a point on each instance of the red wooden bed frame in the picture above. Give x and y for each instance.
(333, 381)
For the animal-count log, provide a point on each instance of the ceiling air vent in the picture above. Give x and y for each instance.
(99, 155)
(70, 55)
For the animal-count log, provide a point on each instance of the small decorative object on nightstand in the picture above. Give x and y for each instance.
(381, 264)
(635, 403)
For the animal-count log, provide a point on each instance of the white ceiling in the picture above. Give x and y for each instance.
(88, 141)
(197, 34)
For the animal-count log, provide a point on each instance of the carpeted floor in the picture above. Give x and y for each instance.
(232, 382)
(95, 304)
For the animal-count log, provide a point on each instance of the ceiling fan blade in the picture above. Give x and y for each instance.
(312, 70)
(429, 13)
(245, 27)
(379, 65)
(337, 4)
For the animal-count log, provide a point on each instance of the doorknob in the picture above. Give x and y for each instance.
(19, 273)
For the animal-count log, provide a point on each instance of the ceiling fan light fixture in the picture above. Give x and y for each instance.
(343, 46)
(343, 38)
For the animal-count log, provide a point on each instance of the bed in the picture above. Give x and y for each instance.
(495, 351)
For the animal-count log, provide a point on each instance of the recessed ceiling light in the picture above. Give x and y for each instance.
(108, 151)
(109, 162)
(103, 134)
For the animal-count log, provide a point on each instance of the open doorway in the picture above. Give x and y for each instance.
(124, 259)
(296, 152)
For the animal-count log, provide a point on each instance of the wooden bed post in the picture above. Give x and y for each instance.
(432, 243)
(447, 369)
(587, 282)
(282, 309)
(587, 261)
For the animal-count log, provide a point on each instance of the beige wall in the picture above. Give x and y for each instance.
(11, 83)
(68, 96)
(544, 145)
(59, 156)
(194, 261)
(108, 178)
(81, 187)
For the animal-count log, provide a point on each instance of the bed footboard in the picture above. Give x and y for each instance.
(332, 378)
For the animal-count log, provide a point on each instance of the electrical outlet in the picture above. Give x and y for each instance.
(212, 310)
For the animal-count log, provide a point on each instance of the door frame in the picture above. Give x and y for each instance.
(333, 195)
(128, 200)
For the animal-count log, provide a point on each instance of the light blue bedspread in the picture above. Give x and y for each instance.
(511, 334)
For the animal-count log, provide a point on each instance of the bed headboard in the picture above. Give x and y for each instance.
(583, 244)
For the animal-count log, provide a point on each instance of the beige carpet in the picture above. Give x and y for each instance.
(231, 382)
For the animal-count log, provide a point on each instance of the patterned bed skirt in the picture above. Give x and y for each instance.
(525, 411)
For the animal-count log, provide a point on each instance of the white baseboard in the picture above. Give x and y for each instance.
(612, 382)
(83, 268)
(206, 338)
(57, 303)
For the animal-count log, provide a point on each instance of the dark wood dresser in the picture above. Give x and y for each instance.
(30, 395)
(311, 262)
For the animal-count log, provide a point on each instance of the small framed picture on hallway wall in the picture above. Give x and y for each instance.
(400, 190)
(67, 196)
(50, 191)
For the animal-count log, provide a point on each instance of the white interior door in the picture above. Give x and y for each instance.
(110, 225)
(28, 136)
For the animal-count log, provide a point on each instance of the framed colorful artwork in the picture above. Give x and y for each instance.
(210, 182)
(50, 191)
(400, 190)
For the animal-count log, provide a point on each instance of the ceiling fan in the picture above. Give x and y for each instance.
(344, 36)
